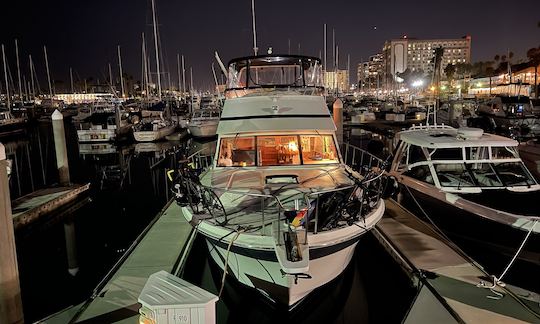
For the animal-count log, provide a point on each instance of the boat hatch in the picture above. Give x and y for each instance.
(282, 179)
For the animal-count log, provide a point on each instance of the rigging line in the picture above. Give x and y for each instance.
(227, 261)
(518, 251)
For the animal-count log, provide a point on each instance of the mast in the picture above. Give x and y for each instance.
(183, 75)
(178, 70)
(334, 48)
(156, 48)
(18, 68)
(121, 73)
(110, 77)
(6, 77)
(48, 72)
(215, 80)
(255, 48)
(325, 48)
(71, 79)
(31, 66)
(348, 70)
(145, 67)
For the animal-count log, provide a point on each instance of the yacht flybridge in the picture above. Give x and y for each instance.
(280, 211)
(470, 184)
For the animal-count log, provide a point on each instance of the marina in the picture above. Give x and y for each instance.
(170, 166)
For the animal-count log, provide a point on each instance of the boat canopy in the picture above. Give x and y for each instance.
(274, 72)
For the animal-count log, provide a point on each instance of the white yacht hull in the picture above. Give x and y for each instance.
(203, 129)
(252, 260)
(151, 136)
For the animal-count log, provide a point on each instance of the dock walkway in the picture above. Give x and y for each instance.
(160, 247)
(447, 279)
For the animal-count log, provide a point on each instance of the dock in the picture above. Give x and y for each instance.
(452, 288)
(163, 245)
(31, 207)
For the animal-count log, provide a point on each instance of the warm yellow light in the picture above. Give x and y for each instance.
(293, 146)
(479, 84)
(432, 88)
(458, 87)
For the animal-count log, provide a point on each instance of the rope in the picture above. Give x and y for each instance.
(227, 261)
(497, 281)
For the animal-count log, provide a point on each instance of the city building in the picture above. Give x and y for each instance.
(370, 73)
(417, 54)
(338, 79)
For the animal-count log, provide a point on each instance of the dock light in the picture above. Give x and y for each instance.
(479, 84)
(432, 88)
(458, 86)
(443, 88)
(417, 83)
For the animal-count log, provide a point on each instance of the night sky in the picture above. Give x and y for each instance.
(84, 34)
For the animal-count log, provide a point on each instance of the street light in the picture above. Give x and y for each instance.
(417, 83)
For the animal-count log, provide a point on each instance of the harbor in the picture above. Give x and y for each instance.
(170, 172)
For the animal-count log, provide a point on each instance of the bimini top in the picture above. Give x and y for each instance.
(279, 112)
(449, 137)
(252, 74)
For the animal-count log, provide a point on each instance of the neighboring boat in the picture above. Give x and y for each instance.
(472, 185)
(510, 116)
(280, 211)
(10, 125)
(204, 122)
(104, 126)
(530, 153)
(154, 130)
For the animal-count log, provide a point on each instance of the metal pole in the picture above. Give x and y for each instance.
(121, 73)
(255, 48)
(18, 68)
(10, 291)
(178, 68)
(325, 48)
(48, 72)
(110, 77)
(60, 147)
(6, 77)
(71, 79)
(183, 75)
(31, 66)
(156, 48)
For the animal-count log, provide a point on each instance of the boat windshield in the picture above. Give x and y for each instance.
(275, 72)
(205, 113)
(487, 174)
(277, 150)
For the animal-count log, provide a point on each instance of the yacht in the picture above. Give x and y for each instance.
(104, 126)
(279, 209)
(472, 185)
(204, 122)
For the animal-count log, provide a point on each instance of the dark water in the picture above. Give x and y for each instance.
(128, 188)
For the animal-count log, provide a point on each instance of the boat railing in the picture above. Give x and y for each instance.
(360, 160)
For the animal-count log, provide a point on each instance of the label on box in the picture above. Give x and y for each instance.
(181, 316)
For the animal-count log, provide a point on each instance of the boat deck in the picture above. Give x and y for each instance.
(161, 246)
(448, 280)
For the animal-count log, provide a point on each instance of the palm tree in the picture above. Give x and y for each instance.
(534, 58)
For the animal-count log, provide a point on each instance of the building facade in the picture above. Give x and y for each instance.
(417, 54)
(370, 73)
(338, 80)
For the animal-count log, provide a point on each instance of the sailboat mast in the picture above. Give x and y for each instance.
(48, 72)
(183, 74)
(325, 48)
(71, 79)
(18, 68)
(255, 48)
(121, 72)
(178, 68)
(156, 48)
(31, 67)
(110, 78)
(6, 77)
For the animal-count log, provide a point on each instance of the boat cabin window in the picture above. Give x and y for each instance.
(475, 174)
(420, 172)
(504, 153)
(275, 150)
(278, 150)
(446, 154)
(318, 149)
(416, 154)
(237, 151)
(477, 153)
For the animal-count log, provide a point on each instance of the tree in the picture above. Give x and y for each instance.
(449, 71)
(534, 59)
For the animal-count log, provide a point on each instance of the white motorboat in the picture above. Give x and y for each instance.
(472, 185)
(10, 124)
(104, 126)
(204, 122)
(279, 209)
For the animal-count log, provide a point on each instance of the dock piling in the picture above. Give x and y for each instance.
(338, 119)
(60, 147)
(71, 248)
(10, 289)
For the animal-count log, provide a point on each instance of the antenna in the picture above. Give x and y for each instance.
(255, 48)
